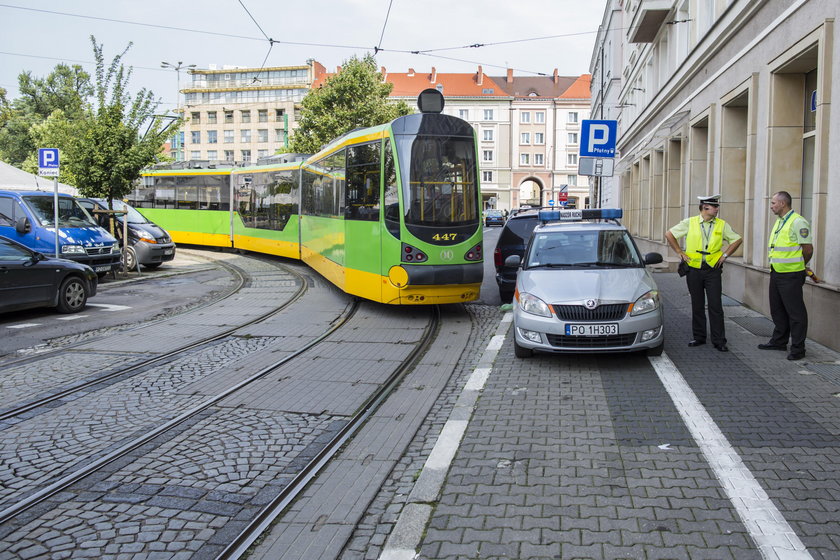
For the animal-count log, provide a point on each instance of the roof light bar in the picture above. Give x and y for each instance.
(582, 214)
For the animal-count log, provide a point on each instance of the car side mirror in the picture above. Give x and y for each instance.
(513, 261)
(23, 225)
(653, 258)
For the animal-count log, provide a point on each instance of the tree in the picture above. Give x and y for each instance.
(355, 97)
(104, 149)
(65, 89)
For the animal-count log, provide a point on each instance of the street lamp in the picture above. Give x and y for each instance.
(177, 67)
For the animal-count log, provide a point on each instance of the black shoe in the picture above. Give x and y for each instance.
(796, 356)
(721, 348)
(696, 342)
(769, 346)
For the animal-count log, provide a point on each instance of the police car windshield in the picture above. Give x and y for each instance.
(583, 248)
(70, 212)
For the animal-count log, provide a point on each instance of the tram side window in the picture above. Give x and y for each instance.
(267, 200)
(323, 185)
(362, 189)
(186, 194)
(392, 199)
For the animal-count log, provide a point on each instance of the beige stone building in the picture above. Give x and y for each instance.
(730, 97)
(242, 114)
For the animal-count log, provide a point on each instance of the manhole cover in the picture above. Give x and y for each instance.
(829, 372)
(759, 326)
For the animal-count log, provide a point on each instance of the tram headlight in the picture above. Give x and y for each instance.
(412, 254)
(474, 254)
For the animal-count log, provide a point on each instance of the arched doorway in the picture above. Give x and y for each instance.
(531, 192)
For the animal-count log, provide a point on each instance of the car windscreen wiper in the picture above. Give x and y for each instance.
(550, 265)
(605, 263)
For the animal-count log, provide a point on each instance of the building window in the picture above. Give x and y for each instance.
(488, 114)
(488, 134)
(573, 117)
(525, 138)
(279, 115)
(464, 114)
(195, 154)
(525, 117)
(571, 159)
(524, 159)
(263, 115)
(262, 135)
(212, 154)
(245, 135)
(262, 153)
(572, 180)
(279, 135)
(212, 137)
(487, 176)
(211, 117)
(488, 155)
(538, 159)
(246, 156)
(228, 137)
(228, 155)
(228, 116)
(195, 137)
(539, 117)
(195, 117)
(245, 115)
(539, 138)
(573, 138)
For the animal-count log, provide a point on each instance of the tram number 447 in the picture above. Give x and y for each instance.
(445, 236)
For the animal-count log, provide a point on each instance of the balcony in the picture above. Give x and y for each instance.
(649, 17)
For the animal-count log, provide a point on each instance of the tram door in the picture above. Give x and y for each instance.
(363, 253)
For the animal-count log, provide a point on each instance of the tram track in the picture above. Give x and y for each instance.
(19, 410)
(298, 482)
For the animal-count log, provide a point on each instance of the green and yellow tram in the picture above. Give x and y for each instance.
(389, 213)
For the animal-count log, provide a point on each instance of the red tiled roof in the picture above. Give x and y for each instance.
(411, 83)
(580, 89)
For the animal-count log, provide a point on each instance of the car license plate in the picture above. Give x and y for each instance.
(103, 268)
(167, 251)
(592, 329)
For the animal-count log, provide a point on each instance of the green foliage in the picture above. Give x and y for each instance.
(355, 97)
(105, 135)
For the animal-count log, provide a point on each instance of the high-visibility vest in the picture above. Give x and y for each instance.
(696, 244)
(785, 255)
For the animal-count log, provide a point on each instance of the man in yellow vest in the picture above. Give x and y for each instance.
(704, 253)
(790, 249)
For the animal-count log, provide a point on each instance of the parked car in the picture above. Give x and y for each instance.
(494, 218)
(30, 279)
(148, 243)
(584, 287)
(28, 217)
(512, 241)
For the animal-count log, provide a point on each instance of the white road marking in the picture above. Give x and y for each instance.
(772, 534)
(72, 317)
(665, 446)
(109, 307)
(24, 326)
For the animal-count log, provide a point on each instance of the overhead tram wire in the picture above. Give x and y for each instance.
(269, 39)
(378, 47)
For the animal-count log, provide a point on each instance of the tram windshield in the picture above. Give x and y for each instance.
(440, 189)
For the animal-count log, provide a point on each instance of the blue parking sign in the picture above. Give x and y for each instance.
(598, 138)
(48, 161)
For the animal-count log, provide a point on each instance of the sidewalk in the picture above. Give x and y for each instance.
(699, 454)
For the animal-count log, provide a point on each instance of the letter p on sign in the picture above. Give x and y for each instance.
(598, 138)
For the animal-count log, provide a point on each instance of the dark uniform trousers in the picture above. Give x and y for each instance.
(705, 283)
(787, 308)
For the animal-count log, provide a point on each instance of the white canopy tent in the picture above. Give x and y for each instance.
(14, 179)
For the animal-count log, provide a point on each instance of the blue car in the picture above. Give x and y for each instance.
(494, 218)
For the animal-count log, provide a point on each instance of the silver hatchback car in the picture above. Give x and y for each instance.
(584, 287)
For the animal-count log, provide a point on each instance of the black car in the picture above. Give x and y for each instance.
(29, 279)
(512, 241)
(494, 218)
(148, 243)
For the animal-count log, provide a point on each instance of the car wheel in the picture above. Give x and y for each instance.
(521, 352)
(152, 265)
(657, 351)
(72, 295)
(130, 258)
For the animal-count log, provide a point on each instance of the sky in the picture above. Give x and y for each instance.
(533, 36)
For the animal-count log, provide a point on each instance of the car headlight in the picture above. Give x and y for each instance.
(145, 236)
(73, 250)
(115, 249)
(647, 303)
(533, 305)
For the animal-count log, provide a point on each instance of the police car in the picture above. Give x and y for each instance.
(584, 287)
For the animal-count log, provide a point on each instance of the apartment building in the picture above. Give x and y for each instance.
(238, 114)
(729, 97)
